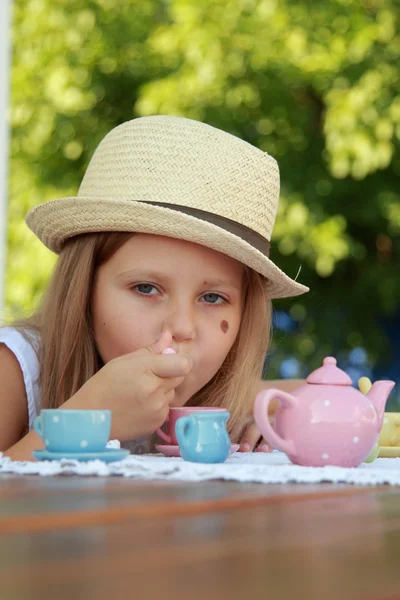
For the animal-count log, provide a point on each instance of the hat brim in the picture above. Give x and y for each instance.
(55, 221)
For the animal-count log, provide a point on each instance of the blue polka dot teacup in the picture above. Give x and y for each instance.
(74, 430)
(203, 437)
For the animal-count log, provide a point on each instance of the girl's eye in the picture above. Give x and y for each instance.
(145, 289)
(213, 298)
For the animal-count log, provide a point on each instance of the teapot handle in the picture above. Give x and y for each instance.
(261, 404)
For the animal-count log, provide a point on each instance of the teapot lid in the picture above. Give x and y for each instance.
(329, 374)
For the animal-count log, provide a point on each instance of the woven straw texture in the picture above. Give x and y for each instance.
(175, 161)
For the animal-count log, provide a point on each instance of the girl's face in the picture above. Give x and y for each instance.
(155, 283)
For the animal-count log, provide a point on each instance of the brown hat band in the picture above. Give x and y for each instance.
(248, 235)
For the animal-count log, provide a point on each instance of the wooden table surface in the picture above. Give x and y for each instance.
(110, 538)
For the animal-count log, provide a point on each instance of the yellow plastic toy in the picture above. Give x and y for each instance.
(364, 385)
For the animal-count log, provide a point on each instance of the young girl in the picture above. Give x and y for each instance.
(166, 245)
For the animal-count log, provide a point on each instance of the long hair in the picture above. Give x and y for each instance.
(235, 385)
(67, 351)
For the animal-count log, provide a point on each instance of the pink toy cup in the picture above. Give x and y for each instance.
(176, 413)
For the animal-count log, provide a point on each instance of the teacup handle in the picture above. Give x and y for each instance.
(183, 426)
(164, 436)
(261, 405)
(37, 426)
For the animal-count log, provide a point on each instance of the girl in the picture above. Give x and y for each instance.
(166, 245)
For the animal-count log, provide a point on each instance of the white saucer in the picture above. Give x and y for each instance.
(108, 455)
(168, 450)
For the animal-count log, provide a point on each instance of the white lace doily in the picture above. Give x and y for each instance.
(249, 467)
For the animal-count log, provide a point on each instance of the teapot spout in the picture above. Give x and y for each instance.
(378, 394)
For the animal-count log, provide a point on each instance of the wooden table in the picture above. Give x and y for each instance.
(109, 538)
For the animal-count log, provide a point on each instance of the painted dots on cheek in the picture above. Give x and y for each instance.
(224, 326)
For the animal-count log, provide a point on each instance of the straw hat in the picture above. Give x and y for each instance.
(180, 178)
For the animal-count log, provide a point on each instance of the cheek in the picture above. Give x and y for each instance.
(116, 330)
(224, 326)
(217, 348)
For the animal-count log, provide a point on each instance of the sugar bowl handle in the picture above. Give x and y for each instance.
(184, 427)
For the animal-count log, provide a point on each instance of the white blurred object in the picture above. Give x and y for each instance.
(114, 444)
(5, 76)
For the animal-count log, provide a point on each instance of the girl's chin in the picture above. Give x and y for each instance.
(183, 394)
(181, 397)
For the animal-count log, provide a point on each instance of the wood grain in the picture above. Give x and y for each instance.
(81, 503)
(341, 547)
(67, 538)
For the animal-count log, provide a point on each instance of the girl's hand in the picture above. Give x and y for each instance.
(138, 388)
(251, 437)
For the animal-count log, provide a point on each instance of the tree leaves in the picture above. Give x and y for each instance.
(316, 85)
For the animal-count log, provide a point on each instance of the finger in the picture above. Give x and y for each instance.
(157, 347)
(263, 446)
(249, 438)
(169, 384)
(177, 400)
(170, 365)
(169, 390)
(163, 342)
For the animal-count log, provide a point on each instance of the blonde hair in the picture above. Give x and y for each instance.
(68, 355)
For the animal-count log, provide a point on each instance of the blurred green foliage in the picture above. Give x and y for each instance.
(317, 85)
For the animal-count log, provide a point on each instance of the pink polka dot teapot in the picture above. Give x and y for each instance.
(326, 421)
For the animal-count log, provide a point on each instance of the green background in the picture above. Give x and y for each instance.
(315, 84)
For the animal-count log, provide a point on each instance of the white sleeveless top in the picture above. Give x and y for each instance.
(29, 363)
(28, 360)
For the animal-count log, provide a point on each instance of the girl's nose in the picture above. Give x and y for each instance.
(181, 323)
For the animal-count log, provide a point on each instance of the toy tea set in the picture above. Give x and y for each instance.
(76, 434)
(197, 434)
(324, 422)
(389, 438)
